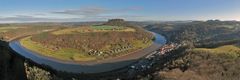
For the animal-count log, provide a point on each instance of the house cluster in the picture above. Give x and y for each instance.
(110, 52)
(95, 52)
(153, 58)
(168, 48)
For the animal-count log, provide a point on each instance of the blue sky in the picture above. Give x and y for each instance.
(101, 10)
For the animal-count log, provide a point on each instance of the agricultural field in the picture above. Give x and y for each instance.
(88, 43)
(102, 28)
(11, 32)
(106, 27)
(6, 29)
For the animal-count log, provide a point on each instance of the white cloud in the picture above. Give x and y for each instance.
(81, 14)
(24, 18)
(87, 11)
(96, 11)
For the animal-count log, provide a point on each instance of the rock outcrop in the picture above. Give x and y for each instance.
(11, 67)
(116, 22)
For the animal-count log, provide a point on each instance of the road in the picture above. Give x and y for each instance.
(89, 66)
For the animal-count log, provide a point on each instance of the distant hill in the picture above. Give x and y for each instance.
(116, 22)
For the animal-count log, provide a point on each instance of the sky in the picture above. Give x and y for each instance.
(132, 10)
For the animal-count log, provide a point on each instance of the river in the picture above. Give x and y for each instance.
(91, 66)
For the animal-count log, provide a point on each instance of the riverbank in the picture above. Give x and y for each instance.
(87, 67)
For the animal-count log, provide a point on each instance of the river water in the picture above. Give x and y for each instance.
(87, 67)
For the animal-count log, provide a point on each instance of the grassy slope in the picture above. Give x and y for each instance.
(64, 54)
(70, 54)
(75, 54)
(228, 50)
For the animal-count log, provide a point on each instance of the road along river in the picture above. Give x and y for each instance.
(89, 66)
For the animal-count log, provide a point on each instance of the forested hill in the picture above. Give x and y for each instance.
(199, 32)
(214, 52)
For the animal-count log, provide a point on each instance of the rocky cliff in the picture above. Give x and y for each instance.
(11, 67)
